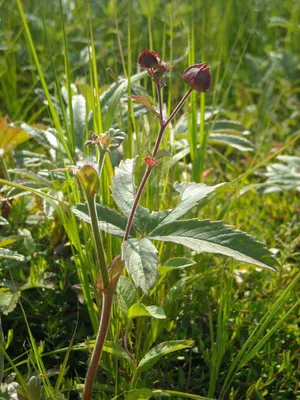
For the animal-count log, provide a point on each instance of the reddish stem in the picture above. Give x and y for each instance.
(136, 200)
(147, 173)
(107, 302)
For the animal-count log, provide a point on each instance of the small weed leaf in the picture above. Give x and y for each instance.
(237, 142)
(215, 237)
(146, 103)
(126, 292)
(175, 263)
(140, 256)
(139, 394)
(3, 221)
(79, 119)
(140, 310)
(8, 301)
(123, 189)
(11, 255)
(10, 136)
(160, 350)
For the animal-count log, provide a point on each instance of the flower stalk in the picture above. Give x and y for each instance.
(197, 77)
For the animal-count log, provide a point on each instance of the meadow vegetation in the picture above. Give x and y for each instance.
(206, 326)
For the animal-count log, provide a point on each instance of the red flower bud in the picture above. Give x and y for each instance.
(148, 59)
(198, 77)
(151, 162)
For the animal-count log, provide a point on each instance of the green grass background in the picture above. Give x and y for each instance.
(253, 49)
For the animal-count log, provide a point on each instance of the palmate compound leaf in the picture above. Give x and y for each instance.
(124, 192)
(215, 237)
(140, 256)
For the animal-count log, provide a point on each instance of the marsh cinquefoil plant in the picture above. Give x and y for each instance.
(138, 226)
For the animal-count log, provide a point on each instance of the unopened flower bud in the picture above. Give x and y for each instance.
(148, 59)
(198, 77)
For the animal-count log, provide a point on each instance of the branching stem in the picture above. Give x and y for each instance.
(149, 168)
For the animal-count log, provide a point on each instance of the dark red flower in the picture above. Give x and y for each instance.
(198, 77)
(149, 59)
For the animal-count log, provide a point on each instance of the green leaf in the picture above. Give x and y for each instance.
(155, 219)
(8, 301)
(11, 255)
(10, 239)
(140, 310)
(123, 189)
(79, 118)
(215, 237)
(234, 141)
(190, 194)
(113, 97)
(34, 387)
(109, 220)
(124, 192)
(175, 263)
(162, 153)
(160, 350)
(140, 256)
(178, 395)
(117, 350)
(3, 221)
(109, 347)
(126, 294)
(139, 394)
(47, 137)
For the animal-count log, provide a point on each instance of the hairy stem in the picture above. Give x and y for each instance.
(166, 123)
(107, 302)
(149, 168)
